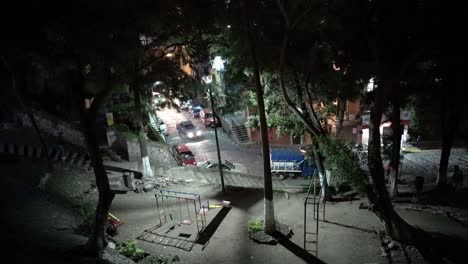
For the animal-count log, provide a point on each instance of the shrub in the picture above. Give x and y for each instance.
(344, 161)
(124, 131)
(131, 250)
(255, 225)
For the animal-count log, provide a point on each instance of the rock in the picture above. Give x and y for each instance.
(148, 186)
(110, 255)
(262, 238)
(111, 245)
(189, 180)
(350, 194)
(285, 230)
(363, 206)
(384, 252)
(393, 245)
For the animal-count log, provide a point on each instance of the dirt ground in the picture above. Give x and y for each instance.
(39, 229)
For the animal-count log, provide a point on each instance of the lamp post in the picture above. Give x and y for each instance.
(218, 65)
(208, 80)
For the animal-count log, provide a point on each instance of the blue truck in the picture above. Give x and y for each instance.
(290, 162)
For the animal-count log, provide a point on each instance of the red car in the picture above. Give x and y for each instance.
(207, 118)
(183, 155)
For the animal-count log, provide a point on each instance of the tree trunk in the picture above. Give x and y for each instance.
(341, 112)
(394, 225)
(396, 146)
(97, 242)
(147, 170)
(269, 215)
(324, 189)
(451, 115)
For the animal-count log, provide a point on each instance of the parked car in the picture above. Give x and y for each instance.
(188, 130)
(192, 105)
(183, 155)
(185, 105)
(227, 166)
(196, 110)
(207, 118)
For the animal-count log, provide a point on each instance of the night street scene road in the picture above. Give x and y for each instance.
(235, 131)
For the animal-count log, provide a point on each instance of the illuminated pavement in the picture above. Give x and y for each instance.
(205, 147)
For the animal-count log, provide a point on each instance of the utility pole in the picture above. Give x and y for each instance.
(217, 141)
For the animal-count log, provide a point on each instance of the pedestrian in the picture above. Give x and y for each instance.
(389, 168)
(418, 141)
(457, 178)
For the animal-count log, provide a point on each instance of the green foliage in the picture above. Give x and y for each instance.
(252, 98)
(125, 131)
(344, 161)
(255, 225)
(131, 250)
(163, 259)
(87, 212)
(253, 121)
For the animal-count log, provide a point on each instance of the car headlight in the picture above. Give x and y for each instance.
(199, 133)
(183, 163)
(190, 134)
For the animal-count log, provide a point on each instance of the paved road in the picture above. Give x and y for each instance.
(205, 147)
(425, 163)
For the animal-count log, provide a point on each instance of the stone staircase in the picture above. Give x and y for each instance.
(67, 156)
(239, 132)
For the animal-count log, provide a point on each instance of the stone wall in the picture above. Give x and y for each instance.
(159, 154)
(52, 126)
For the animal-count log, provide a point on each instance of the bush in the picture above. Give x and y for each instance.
(124, 131)
(255, 225)
(131, 250)
(344, 161)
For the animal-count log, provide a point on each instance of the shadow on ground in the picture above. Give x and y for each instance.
(205, 236)
(167, 235)
(351, 227)
(161, 236)
(295, 249)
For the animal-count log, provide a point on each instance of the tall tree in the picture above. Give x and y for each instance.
(307, 116)
(269, 216)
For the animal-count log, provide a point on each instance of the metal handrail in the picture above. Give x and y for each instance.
(312, 184)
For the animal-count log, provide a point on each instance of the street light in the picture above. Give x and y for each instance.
(208, 79)
(218, 65)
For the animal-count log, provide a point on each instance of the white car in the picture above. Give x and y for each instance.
(227, 166)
